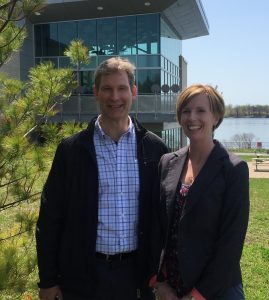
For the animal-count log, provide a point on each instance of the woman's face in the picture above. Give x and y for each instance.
(197, 120)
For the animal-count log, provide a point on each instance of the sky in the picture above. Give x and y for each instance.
(235, 54)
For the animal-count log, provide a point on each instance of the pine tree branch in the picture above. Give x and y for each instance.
(11, 182)
(14, 235)
(14, 37)
(4, 7)
(17, 202)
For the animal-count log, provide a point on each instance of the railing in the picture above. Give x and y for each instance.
(141, 61)
(174, 138)
(79, 107)
(158, 106)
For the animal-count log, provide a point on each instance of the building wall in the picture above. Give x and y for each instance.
(183, 65)
(12, 67)
(21, 61)
(183, 84)
(27, 53)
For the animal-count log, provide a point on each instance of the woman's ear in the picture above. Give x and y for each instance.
(216, 122)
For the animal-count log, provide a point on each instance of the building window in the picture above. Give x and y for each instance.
(67, 31)
(106, 29)
(146, 79)
(126, 33)
(147, 61)
(87, 33)
(50, 39)
(38, 40)
(110, 36)
(148, 34)
(87, 81)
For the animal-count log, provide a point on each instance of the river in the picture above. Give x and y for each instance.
(259, 127)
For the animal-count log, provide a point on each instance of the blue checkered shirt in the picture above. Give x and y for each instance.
(118, 191)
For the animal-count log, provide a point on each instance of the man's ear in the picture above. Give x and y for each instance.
(134, 91)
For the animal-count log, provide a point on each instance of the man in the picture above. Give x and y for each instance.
(95, 220)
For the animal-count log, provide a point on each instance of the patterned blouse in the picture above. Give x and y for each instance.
(171, 259)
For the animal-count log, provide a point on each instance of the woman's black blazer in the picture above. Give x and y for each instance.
(214, 221)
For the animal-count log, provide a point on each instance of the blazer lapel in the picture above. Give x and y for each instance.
(207, 174)
(172, 179)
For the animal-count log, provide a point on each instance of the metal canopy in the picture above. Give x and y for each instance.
(186, 17)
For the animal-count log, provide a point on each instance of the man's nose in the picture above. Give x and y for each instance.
(115, 94)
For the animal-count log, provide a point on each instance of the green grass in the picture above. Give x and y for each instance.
(249, 150)
(247, 155)
(255, 259)
(247, 158)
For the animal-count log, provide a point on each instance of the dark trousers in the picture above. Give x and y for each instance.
(116, 280)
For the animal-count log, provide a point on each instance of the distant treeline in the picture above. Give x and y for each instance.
(250, 111)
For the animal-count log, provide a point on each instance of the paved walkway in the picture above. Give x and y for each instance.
(262, 173)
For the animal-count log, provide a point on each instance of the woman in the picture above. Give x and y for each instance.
(204, 207)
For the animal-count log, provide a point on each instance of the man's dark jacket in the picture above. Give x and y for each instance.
(67, 224)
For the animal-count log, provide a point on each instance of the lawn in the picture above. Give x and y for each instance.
(255, 260)
(247, 158)
(248, 154)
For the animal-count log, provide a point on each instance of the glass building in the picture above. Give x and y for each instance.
(149, 34)
(124, 36)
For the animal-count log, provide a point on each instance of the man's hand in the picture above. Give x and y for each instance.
(165, 292)
(50, 293)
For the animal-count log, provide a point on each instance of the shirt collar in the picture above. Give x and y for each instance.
(100, 131)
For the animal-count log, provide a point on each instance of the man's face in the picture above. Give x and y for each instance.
(115, 96)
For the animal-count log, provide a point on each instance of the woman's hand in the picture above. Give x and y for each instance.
(164, 291)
